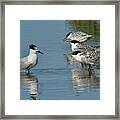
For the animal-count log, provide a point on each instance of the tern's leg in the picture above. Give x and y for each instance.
(90, 69)
(82, 65)
(28, 71)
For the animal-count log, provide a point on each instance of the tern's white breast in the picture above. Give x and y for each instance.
(32, 59)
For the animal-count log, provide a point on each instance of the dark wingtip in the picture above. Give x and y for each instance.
(75, 41)
(75, 52)
(68, 34)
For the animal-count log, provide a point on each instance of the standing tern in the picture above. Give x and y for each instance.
(28, 62)
(87, 57)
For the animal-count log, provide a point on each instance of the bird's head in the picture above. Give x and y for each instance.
(34, 49)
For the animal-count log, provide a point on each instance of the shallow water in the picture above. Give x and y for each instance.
(55, 77)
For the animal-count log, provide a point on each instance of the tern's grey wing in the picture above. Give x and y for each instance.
(24, 63)
(83, 48)
(79, 36)
(93, 56)
(76, 35)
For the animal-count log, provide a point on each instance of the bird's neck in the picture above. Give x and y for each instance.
(74, 46)
(32, 52)
(32, 55)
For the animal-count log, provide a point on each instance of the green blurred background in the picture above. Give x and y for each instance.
(89, 26)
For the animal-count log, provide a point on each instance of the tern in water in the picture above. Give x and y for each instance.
(28, 62)
(79, 36)
(87, 57)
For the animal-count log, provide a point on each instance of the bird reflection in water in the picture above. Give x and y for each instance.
(83, 82)
(30, 84)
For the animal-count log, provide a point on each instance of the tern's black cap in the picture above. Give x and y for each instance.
(32, 46)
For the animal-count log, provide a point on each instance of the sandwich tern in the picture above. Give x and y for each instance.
(28, 62)
(88, 57)
(79, 36)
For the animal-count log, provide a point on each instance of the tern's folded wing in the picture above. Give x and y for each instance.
(24, 63)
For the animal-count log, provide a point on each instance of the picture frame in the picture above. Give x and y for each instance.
(3, 65)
